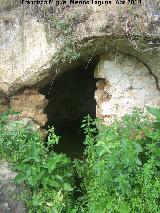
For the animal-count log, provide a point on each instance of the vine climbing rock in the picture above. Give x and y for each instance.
(9, 191)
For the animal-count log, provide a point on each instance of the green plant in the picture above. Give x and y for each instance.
(122, 170)
(47, 176)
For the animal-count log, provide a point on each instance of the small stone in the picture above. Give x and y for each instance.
(6, 204)
(9, 191)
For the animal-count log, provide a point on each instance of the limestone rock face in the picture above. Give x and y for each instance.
(124, 83)
(40, 42)
(9, 191)
(34, 39)
(24, 50)
(30, 104)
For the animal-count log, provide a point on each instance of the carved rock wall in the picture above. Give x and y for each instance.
(33, 43)
(30, 104)
(124, 83)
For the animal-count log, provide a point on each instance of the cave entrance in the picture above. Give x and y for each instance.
(71, 97)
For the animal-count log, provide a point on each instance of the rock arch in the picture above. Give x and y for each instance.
(32, 55)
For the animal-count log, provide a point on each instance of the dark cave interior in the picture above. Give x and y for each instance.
(71, 98)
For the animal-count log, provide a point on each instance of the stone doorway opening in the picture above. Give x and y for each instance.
(71, 98)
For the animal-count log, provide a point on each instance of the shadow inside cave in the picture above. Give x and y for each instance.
(71, 98)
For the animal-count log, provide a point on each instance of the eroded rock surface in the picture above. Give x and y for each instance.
(35, 41)
(9, 191)
(39, 43)
(124, 83)
(30, 104)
